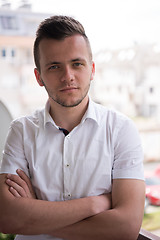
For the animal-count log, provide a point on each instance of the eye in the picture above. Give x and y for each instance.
(53, 67)
(77, 64)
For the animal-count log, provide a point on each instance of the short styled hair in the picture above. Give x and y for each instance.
(58, 28)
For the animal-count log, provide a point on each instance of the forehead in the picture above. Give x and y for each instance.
(60, 50)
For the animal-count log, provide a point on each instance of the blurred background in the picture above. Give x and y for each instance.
(125, 39)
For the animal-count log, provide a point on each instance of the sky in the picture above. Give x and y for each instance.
(109, 24)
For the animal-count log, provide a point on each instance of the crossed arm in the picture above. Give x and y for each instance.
(85, 218)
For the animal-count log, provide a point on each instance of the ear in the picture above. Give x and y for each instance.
(38, 77)
(93, 70)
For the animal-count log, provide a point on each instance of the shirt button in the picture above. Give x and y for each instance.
(67, 165)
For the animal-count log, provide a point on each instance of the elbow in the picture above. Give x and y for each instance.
(6, 226)
(5, 219)
(127, 228)
(9, 220)
(9, 225)
(129, 231)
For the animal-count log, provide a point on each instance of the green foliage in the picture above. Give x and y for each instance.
(151, 221)
(6, 236)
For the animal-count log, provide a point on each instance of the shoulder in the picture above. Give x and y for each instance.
(31, 121)
(117, 125)
(111, 116)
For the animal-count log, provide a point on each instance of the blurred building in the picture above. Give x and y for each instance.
(129, 80)
(18, 90)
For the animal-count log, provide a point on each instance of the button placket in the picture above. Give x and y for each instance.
(66, 168)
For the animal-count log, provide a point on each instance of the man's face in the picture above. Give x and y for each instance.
(66, 69)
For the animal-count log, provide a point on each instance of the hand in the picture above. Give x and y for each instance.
(20, 185)
(102, 202)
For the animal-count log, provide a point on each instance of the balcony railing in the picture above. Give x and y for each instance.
(145, 235)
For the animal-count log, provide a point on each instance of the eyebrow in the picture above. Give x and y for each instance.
(78, 59)
(73, 60)
(52, 63)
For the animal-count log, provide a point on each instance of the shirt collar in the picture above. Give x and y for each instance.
(47, 116)
(89, 114)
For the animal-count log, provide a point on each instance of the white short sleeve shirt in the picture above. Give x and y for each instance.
(104, 146)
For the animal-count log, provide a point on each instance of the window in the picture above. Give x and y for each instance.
(3, 53)
(13, 53)
(152, 110)
(8, 22)
(8, 54)
(151, 89)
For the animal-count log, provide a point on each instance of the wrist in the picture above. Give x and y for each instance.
(100, 203)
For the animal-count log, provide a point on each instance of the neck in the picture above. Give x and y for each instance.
(68, 117)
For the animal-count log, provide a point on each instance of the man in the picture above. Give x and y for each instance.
(74, 169)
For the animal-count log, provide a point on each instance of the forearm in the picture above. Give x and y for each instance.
(123, 221)
(112, 224)
(31, 216)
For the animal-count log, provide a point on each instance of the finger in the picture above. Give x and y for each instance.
(16, 179)
(14, 192)
(17, 183)
(23, 176)
(27, 180)
(16, 187)
(24, 187)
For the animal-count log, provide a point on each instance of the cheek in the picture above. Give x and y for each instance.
(88, 77)
(50, 79)
(85, 75)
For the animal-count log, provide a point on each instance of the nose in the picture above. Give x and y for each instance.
(67, 74)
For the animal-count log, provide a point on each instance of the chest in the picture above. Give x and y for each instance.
(74, 166)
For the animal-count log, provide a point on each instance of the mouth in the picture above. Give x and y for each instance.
(68, 89)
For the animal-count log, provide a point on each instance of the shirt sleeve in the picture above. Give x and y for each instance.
(13, 154)
(128, 153)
